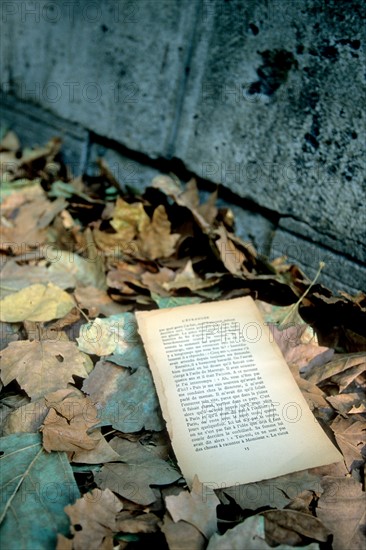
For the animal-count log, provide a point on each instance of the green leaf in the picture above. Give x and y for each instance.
(115, 336)
(174, 301)
(36, 486)
(126, 401)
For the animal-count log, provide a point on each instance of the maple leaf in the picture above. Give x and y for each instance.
(350, 434)
(140, 469)
(129, 219)
(128, 402)
(43, 367)
(71, 415)
(187, 278)
(36, 303)
(341, 508)
(155, 240)
(93, 521)
(197, 507)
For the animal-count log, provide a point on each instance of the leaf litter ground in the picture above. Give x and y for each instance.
(85, 458)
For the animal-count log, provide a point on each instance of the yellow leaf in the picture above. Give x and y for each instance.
(39, 303)
(128, 219)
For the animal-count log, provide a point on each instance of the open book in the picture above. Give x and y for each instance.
(233, 410)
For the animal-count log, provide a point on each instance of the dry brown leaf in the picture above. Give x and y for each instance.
(93, 521)
(292, 527)
(197, 507)
(155, 281)
(10, 142)
(232, 258)
(341, 508)
(43, 367)
(128, 522)
(182, 535)
(71, 415)
(187, 278)
(299, 348)
(302, 502)
(97, 302)
(344, 379)
(339, 364)
(348, 403)
(314, 396)
(23, 233)
(204, 214)
(350, 434)
(155, 240)
(133, 477)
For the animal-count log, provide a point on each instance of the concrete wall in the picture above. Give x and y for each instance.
(266, 98)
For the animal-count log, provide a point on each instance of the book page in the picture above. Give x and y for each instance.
(233, 410)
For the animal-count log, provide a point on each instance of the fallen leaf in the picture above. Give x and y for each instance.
(175, 301)
(140, 469)
(97, 302)
(252, 532)
(182, 535)
(71, 415)
(27, 418)
(350, 434)
(80, 271)
(339, 363)
(93, 520)
(341, 508)
(293, 527)
(43, 367)
(155, 281)
(116, 334)
(275, 492)
(36, 487)
(197, 507)
(126, 401)
(15, 277)
(349, 403)
(36, 303)
(128, 219)
(187, 278)
(128, 522)
(232, 258)
(155, 240)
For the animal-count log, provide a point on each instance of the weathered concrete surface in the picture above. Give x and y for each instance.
(339, 273)
(127, 171)
(275, 110)
(35, 126)
(266, 98)
(115, 67)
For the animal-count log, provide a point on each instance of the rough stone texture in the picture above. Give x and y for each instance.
(127, 171)
(266, 98)
(339, 273)
(276, 110)
(116, 67)
(36, 126)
